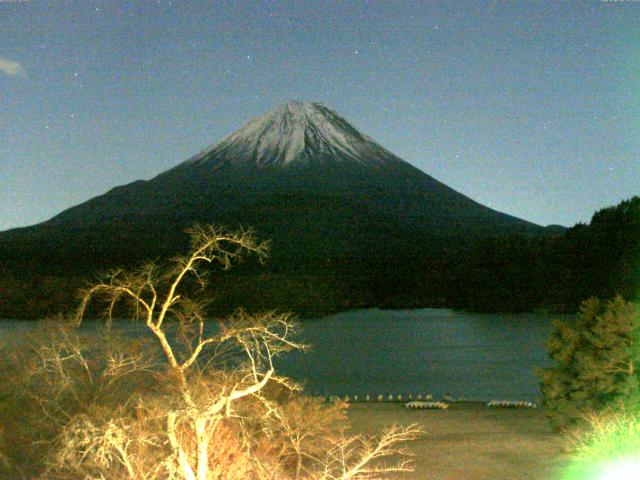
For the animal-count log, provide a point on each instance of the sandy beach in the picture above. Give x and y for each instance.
(470, 441)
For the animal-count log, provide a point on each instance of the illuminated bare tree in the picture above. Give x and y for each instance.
(215, 372)
(363, 458)
(249, 342)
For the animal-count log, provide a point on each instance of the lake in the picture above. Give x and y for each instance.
(422, 351)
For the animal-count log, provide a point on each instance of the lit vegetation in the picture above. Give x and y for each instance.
(609, 448)
(187, 399)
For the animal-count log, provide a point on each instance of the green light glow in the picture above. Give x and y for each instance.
(610, 451)
(627, 469)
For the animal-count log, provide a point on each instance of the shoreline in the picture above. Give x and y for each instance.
(469, 441)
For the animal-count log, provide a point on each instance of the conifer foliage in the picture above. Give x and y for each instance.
(596, 361)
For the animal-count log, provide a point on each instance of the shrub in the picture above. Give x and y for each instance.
(55, 376)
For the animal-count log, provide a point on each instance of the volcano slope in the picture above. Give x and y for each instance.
(346, 217)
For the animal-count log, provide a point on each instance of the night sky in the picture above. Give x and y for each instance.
(529, 108)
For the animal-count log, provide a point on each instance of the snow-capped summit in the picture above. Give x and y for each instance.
(296, 132)
(301, 168)
(350, 223)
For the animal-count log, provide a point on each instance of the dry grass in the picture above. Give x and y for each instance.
(471, 441)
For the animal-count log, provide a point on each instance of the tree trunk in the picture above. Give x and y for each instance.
(202, 440)
(298, 465)
(183, 460)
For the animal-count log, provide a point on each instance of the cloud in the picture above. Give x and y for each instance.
(10, 67)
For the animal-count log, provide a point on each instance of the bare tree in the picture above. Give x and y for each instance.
(311, 428)
(55, 376)
(157, 299)
(363, 458)
(214, 374)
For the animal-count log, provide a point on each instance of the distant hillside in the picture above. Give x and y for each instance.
(558, 272)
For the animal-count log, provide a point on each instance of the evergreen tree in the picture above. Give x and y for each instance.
(596, 361)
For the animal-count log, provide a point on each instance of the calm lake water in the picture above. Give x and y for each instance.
(425, 351)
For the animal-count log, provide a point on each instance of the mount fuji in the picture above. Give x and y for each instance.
(300, 175)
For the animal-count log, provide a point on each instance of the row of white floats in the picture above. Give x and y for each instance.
(492, 404)
(382, 398)
(428, 402)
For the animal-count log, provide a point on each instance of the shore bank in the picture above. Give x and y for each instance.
(469, 441)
